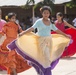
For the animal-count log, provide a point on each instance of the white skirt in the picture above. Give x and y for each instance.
(44, 50)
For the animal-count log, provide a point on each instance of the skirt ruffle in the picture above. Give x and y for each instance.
(71, 49)
(13, 60)
(34, 48)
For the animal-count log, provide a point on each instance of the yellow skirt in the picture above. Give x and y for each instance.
(44, 50)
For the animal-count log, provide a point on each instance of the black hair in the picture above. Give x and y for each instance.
(61, 15)
(10, 15)
(45, 8)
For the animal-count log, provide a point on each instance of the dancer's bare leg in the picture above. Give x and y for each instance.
(13, 71)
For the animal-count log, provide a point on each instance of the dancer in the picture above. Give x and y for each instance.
(60, 24)
(41, 49)
(13, 62)
(74, 22)
(2, 22)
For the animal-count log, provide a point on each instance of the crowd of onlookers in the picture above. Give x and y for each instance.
(29, 21)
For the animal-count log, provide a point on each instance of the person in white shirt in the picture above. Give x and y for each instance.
(74, 22)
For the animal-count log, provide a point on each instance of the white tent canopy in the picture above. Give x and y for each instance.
(61, 1)
(23, 2)
(15, 2)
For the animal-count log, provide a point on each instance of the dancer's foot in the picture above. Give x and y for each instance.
(1, 70)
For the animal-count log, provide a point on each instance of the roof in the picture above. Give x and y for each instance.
(61, 1)
(14, 2)
(23, 2)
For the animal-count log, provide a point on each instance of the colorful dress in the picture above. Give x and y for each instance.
(71, 49)
(42, 50)
(2, 23)
(11, 58)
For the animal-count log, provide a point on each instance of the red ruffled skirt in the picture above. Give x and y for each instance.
(71, 49)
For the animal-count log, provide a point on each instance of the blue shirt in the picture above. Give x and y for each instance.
(43, 30)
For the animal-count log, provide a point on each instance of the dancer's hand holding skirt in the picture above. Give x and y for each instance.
(42, 51)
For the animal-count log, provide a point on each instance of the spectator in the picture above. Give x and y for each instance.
(74, 22)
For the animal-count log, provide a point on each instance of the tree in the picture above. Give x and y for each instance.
(30, 2)
(40, 4)
(45, 2)
(71, 4)
(33, 1)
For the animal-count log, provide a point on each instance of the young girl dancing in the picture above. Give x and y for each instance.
(60, 24)
(41, 49)
(13, 62)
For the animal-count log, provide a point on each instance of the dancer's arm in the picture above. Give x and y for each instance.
(26, 31)
(69, 25)
(60, 32)
(20, 29)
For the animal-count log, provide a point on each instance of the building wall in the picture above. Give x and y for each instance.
(24, 13)
(21, 13)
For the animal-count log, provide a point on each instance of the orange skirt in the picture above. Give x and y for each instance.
(13, 60)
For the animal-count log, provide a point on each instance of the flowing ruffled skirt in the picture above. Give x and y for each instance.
(42, 52)
(71, 49)
(11, 59)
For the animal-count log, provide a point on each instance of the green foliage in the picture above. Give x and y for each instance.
(26, 6)
(71, 4)
(47, 3)
(30, 2)
(40, 4)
